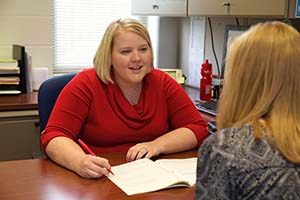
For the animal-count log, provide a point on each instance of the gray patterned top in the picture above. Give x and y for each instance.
(232, 164)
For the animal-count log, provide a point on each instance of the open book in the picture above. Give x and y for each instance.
(145, 175)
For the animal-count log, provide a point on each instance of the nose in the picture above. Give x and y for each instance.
(136, 56)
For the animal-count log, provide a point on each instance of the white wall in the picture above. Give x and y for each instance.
(168, 42)
(27, 23)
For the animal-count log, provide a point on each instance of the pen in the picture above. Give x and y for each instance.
(88, 150)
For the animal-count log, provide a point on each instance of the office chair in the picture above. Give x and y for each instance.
(47, 95)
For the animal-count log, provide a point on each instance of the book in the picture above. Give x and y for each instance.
(10, 92)
(9, 70)
(145, 175)
(8, 63)
(9, 80)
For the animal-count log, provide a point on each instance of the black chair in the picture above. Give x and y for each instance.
(47, 95)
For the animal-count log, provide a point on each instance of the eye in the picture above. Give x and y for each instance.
(125, 52)
(144, 49)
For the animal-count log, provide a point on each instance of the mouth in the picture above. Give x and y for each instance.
(136, 68)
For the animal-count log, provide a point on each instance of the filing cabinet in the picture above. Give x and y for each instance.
(20, 135)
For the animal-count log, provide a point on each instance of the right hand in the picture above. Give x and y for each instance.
(92, 166)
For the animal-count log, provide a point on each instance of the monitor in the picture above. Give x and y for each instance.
(230, 34)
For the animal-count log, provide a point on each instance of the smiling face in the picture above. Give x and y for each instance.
(131, 58)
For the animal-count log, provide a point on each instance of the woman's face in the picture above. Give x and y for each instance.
(131, 58)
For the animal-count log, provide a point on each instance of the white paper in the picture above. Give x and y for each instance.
(144, 175)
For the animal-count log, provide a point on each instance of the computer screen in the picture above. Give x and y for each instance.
(230, 34)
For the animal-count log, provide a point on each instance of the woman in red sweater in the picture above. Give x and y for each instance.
(122, 104)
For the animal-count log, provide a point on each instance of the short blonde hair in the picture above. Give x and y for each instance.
(102, 59)
(262, 80)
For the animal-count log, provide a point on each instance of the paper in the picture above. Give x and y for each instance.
(196, 55)
(144, 175)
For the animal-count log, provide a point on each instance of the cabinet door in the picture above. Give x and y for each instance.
(207, 7)
(20, 138)
(172, 8)
(267, 8)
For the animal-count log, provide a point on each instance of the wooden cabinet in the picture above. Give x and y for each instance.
(171, 8)
(259, 8)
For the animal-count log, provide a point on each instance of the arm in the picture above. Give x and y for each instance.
(180, 139)
(187, 128)
(63, 128)
(213, 168)
(67, 153)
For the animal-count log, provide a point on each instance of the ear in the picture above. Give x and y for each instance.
(263, 123)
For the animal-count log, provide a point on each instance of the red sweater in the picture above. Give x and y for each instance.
(101, 116)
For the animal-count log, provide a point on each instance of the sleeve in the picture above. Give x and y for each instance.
(70, 110)
(213, 170)
(182, 111)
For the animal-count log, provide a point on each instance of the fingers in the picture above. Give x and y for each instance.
(138, 152)
(93, 167)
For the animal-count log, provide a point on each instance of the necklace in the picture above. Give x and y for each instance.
(132, 94)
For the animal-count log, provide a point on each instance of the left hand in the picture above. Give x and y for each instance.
(142, 150)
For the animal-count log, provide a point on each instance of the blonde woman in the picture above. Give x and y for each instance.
(122, 104)
(256, 153)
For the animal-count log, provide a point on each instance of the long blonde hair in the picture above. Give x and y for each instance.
(102, 59)
(262, 81)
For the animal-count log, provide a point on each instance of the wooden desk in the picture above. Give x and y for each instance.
(19, 102)
(41, 179)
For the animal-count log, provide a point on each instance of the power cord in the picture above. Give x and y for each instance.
(213, 46)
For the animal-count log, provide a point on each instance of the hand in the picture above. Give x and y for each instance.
(142, 150)
(92, 166)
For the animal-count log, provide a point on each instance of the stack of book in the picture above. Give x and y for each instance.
(15, 72)
(9, 76)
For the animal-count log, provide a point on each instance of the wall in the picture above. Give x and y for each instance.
(27, 23)
(168, 42)
(218, 27)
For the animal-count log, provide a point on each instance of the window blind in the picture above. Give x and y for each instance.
(78, 27)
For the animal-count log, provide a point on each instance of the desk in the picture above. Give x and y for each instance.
(26, 101)
(41, 179)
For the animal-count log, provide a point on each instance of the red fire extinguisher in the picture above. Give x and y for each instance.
(206, 81)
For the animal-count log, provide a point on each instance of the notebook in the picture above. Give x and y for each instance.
(145, 175)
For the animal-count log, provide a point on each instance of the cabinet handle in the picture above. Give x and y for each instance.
(155, 7)
(36, 124)
(226, 4)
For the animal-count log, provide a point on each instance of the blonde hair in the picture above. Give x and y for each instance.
(102, 59)
(262, 81)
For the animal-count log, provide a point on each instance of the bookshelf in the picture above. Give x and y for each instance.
(9, 76)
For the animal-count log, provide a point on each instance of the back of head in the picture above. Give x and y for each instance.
(102, 59)
(262, 82)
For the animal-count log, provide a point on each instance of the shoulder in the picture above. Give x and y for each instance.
(160, 79)
(159, 75)
(231, 137)
(86, 78)
(225, 143)
(86, 75)
(84, 83)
